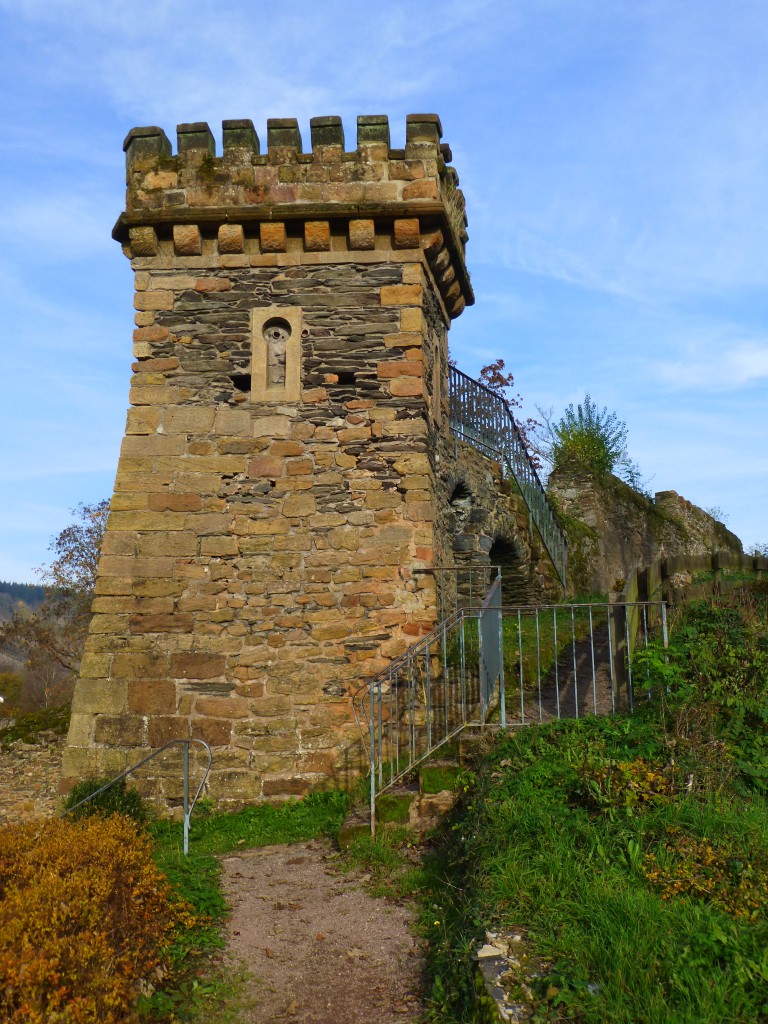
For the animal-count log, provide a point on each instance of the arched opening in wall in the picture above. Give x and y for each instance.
(514, 571)
(455, 585)
(461, 503)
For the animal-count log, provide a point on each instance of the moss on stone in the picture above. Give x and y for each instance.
(485, 1010)
(582, 545)
(394, 807)
(353, 828)
(207, 169)
(436, 778)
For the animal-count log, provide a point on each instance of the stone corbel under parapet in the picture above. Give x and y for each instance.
(328, 200)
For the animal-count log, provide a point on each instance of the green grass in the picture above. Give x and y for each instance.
(727, 575)
(393, 860)
(525, 854)
(631, 851)
(540, 639)
(263, 825)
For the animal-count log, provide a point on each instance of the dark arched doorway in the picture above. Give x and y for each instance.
(515, 571)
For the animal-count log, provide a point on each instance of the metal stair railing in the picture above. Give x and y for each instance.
(511, 666)
(188, 807)
(490, 635)
(406, 712)
(430, 693)
(483, 419)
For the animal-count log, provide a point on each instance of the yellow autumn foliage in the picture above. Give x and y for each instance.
(85, 918)
(695, 867)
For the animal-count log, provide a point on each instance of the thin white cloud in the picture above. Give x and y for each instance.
(60, 226)
(737, 365)
(294, 61)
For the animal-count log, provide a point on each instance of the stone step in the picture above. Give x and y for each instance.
(418, 805)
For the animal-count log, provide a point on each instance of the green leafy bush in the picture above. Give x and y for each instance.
(712, 687)
(118, 799)
(590, 437)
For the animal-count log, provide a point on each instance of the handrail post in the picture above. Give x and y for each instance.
(186, 797)
(373, 765)
(188, 808)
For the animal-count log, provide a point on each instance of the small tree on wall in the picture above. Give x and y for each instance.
(589, 436)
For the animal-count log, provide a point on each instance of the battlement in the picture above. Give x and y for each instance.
(246, 202)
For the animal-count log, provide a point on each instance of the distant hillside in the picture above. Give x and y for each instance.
(29, 594)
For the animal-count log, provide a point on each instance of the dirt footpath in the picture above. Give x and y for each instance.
(317, 948)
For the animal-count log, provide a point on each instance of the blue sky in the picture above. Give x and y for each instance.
(614, 156)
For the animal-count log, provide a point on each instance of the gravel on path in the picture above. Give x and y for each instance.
(317, 948)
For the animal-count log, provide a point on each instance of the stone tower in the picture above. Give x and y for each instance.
(276, 485)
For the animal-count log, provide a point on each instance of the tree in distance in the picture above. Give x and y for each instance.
(496, 378)
(50, 639)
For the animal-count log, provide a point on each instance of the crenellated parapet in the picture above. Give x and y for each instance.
(250, 203)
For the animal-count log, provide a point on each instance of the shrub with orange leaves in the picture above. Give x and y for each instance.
(85, 919)
(611, 785)
(691, 866)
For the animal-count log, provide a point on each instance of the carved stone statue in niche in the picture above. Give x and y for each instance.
(276, 334)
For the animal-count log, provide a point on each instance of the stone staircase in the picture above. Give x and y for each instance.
(424, 798)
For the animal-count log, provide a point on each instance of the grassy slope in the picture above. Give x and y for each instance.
(633, 852)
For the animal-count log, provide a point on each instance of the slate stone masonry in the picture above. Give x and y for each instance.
(260, 555)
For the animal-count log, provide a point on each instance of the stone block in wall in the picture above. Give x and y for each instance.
(151, 696)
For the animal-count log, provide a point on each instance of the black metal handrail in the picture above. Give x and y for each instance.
(483, 419)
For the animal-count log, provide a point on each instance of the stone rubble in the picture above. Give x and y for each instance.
(30, 774)
(507, 970)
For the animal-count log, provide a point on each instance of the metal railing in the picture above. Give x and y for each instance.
(490, 636)
(483, 419)
(460, 586)
(516, 665)
(426, 697)
(187, 806)
(573, 660)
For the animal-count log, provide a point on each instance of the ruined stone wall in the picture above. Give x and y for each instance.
(612, 529)
(485, 521)
(705, 534)
(276, 485)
